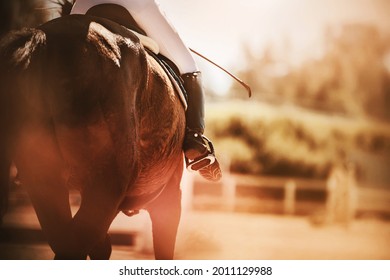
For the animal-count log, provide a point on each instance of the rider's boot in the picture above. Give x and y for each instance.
(198, 150)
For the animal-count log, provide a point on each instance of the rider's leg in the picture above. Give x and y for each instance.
(193, 143)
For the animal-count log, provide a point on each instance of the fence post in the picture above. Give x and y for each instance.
(229, 192)
(341, 195)
(289, 197)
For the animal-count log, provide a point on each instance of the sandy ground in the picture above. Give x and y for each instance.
(221, 236)
(251, 237)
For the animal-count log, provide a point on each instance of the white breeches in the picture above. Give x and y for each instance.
(152, 20)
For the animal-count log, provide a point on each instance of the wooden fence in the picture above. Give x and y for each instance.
(338, 198)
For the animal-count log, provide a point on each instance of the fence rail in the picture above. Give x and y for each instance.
(293, 196)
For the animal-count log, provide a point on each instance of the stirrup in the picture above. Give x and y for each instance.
(204, 160)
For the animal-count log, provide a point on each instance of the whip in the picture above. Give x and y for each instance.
(246, 86)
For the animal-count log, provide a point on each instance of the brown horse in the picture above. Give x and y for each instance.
(83, 105)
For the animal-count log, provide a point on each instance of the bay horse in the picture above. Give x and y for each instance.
(83, 105)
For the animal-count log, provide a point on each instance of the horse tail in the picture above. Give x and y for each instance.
(17, 49)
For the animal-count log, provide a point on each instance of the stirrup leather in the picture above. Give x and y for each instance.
(204, 160)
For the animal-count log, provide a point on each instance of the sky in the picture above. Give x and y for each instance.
(220, 28)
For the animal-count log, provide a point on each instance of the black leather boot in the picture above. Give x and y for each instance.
(198, 150)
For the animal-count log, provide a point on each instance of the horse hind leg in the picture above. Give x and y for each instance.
(102, 250)
(40, 168)
(96, 160)
(165, 214)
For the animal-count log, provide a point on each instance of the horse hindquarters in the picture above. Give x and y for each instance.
(45, 144)
(91, 107)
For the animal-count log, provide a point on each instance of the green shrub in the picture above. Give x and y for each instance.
(287, 141)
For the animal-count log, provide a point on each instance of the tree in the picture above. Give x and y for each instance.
(351, 78)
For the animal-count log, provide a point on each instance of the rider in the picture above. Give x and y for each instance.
(151, 19)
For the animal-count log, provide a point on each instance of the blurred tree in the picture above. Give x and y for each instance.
(352, 77)
(357, 55)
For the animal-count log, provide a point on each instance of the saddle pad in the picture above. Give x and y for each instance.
(154, 50)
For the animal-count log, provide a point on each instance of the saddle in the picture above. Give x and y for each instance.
(120, 15)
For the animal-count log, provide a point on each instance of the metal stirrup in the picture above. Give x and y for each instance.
(204, 160)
